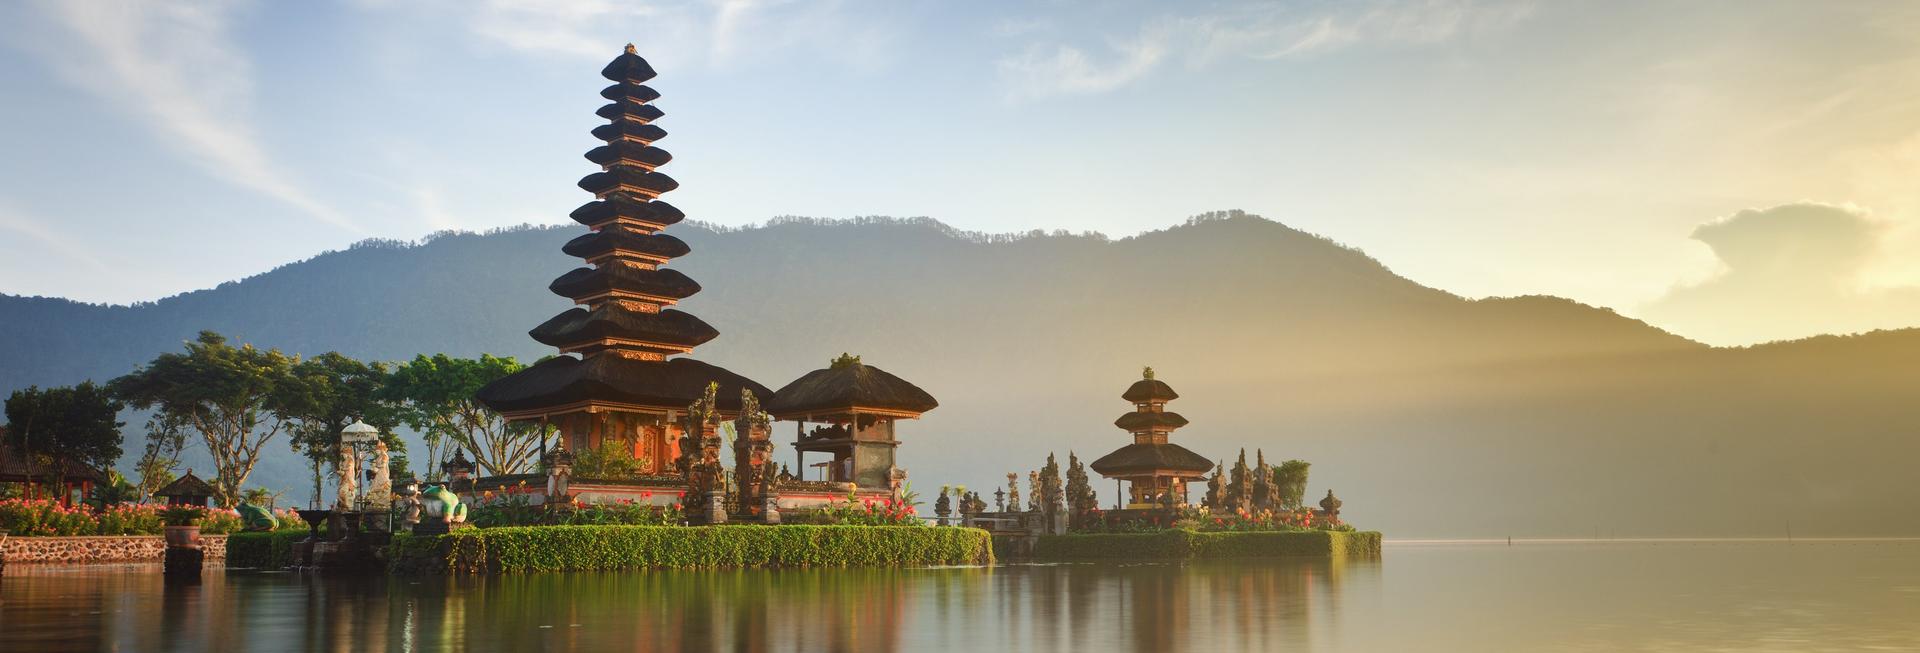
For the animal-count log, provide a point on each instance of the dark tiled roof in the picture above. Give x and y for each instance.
(626, 177)
(613, 320)
(187, 485)
(16, 468)
(630, 93)
(847, 386)
(618, 275)
(629, 152)
(630, 109)
(1138, 457)
(630, 207)
(628, 68)
(624, 238)
(1142, 421)
(1149, 390)
(565, 380)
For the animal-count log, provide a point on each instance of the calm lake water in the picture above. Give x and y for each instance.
(1667, 596)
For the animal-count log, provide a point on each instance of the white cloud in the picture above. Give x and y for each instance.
(173, 65)
(1065, 70)
(676, 33)
(1262, 31)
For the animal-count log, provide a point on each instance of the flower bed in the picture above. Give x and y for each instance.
(47, 518)
(1182, 544)
(1204, 520)
(605, 548)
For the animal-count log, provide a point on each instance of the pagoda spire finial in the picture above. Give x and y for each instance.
(631, 49)
(1147, 373)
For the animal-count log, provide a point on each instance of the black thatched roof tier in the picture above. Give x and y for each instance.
(630, 93)
(1149, 389)
(622, 276)
(632, 179)
(1144, 421)
(187, 485)
(566, 380)
(849, 386)
(629, 152)
(629, 130)
(1142, 458)
(628, 68)
(580, 326)
(630, 207)
(630, 110)
(626, 239)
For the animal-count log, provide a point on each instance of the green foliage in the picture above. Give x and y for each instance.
(166, 439)
(870, 512)
(272, 550)
(332, 391)
(1291, 479)
(237, 398)
(182, 515)
(75, 423)
(606, 548)
(613, 460)
(1052, 498)
(435, 396)
(1180, 544)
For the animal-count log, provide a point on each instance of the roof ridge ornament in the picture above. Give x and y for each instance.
(1147, 373)
(631, 49)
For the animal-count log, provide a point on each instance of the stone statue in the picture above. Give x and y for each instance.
(348, 469)
(257, 518)
(438, 503)
(380, 492)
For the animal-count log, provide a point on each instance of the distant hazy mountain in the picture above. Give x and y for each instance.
(1430, 414)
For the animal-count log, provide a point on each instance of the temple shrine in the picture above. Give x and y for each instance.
(1156, 471)
(624, 379)
(853, 408)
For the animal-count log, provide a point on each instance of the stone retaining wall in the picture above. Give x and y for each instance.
(98, 549)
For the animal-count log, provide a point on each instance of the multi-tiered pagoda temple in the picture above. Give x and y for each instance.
(622, 378)
(1157, 471)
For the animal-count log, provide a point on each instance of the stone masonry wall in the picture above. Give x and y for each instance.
(98, 549)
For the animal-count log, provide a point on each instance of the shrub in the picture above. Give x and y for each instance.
(265, 550)
(870, 512)
(603, 548)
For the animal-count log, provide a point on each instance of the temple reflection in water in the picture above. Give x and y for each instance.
(1272, 605)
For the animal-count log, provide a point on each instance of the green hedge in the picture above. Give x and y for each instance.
(271, 550)
(602, 548)
(1193, 545)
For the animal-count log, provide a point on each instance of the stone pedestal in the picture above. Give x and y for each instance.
(181, 562)
(770, 513)
(716, 512)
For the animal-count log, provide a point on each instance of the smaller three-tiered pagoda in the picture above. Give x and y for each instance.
(1156, 471)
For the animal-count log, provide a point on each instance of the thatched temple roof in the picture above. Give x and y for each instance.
(854, 385)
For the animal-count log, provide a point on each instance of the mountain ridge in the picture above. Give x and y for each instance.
(1407, 398)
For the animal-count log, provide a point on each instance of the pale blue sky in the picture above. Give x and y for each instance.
(1487, 148)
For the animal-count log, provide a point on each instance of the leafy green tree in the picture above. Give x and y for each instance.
(436, 397)
(166, 439)
(335, 390)
(116, 490)
(77, 424)
(1291, 478)
(237, 398)
(1052, 497)
(1081, 499)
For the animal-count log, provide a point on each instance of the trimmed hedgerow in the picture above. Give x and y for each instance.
(269, 550)
(1191, 545)
(603, 548)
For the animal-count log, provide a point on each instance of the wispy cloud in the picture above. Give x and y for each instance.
(1065, 70)
(1263, 31)
(679, 33)
(173, 65)
(36, 230)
